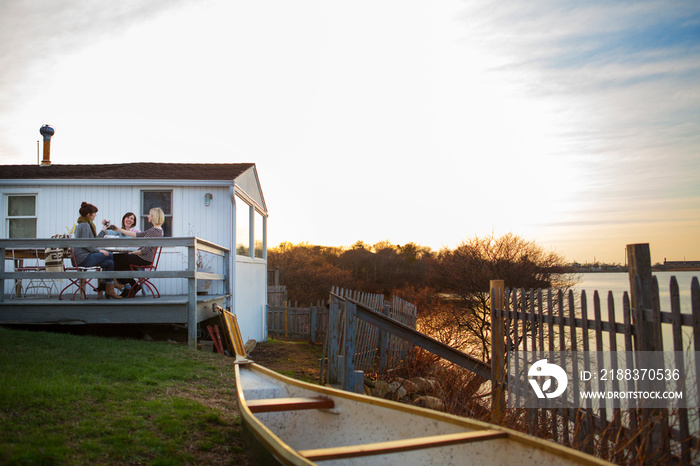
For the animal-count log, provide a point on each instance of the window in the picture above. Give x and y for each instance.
(242, 227)
(21, 216)
(162, 199)
(258, 229)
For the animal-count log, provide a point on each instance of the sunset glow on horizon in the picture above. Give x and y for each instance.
(575, 125)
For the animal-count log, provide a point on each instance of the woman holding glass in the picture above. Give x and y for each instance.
(144, 256)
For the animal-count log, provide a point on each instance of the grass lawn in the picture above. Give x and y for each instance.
(68, 399)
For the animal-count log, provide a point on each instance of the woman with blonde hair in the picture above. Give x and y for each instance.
(144, 256)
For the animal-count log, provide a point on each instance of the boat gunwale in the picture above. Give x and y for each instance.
(275, 445)
(280, 448)
(402, 445)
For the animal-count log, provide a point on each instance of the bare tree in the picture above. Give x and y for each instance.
(465, 272)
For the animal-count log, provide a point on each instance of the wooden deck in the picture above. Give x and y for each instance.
(188, 309)
(139, 310)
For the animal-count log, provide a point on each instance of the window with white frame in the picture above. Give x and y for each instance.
(242, 227)
(258, 230)
(21, 216)
(162, 199)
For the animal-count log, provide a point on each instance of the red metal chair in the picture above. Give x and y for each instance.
(141, 282)
(80, 283)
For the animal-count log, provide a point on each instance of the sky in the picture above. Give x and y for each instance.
(572, 124)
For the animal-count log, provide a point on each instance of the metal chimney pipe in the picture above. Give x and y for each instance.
(47, 131)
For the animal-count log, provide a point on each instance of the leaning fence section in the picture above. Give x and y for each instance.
(372, 349)
(406, 313)
(547, 322)
(368, 340)
(394, 339)
(292, 322)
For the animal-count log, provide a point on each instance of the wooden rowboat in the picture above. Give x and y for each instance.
(299, 423)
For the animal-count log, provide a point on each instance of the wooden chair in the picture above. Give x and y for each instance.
(145, 282)
(80, 283)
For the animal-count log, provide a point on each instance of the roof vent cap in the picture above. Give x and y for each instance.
(47, 131)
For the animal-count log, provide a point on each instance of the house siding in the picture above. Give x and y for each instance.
(57, 211)
(251, 275)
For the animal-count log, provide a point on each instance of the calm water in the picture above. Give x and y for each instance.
(618, 283)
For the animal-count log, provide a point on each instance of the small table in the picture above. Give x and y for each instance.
(19, 256)
(121, 250)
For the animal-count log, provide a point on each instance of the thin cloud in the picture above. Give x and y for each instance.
(35, 36)
(629, 74)
(560, 113)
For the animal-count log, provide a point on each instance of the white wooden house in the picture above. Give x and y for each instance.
(221, 203)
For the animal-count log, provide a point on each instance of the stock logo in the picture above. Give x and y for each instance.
(543, 370)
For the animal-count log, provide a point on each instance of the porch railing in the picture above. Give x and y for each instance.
(194, 246)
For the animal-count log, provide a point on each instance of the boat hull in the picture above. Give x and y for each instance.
(299, 423)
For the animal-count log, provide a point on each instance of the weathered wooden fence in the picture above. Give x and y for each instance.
(276, 295)
(386, 339)
(373, 349)
(291, 322)
(367, 343)
(353, 346)
(537, 321)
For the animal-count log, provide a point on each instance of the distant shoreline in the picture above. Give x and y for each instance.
(654, 269)
(675, 269)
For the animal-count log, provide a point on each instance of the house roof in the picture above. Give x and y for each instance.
(142, 171)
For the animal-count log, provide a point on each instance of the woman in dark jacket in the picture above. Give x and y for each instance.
(90, 257)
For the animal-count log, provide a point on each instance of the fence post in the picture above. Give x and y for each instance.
(497, 288)
(644, 293)
(383, 342)
(695, 309)
(349, 346)
(333, 338)
(639, 260)
(359, 383)
(192, 296)
(312, 324)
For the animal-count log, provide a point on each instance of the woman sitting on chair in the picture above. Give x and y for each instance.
(128, 223)
(144, 256)
(90, 257)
